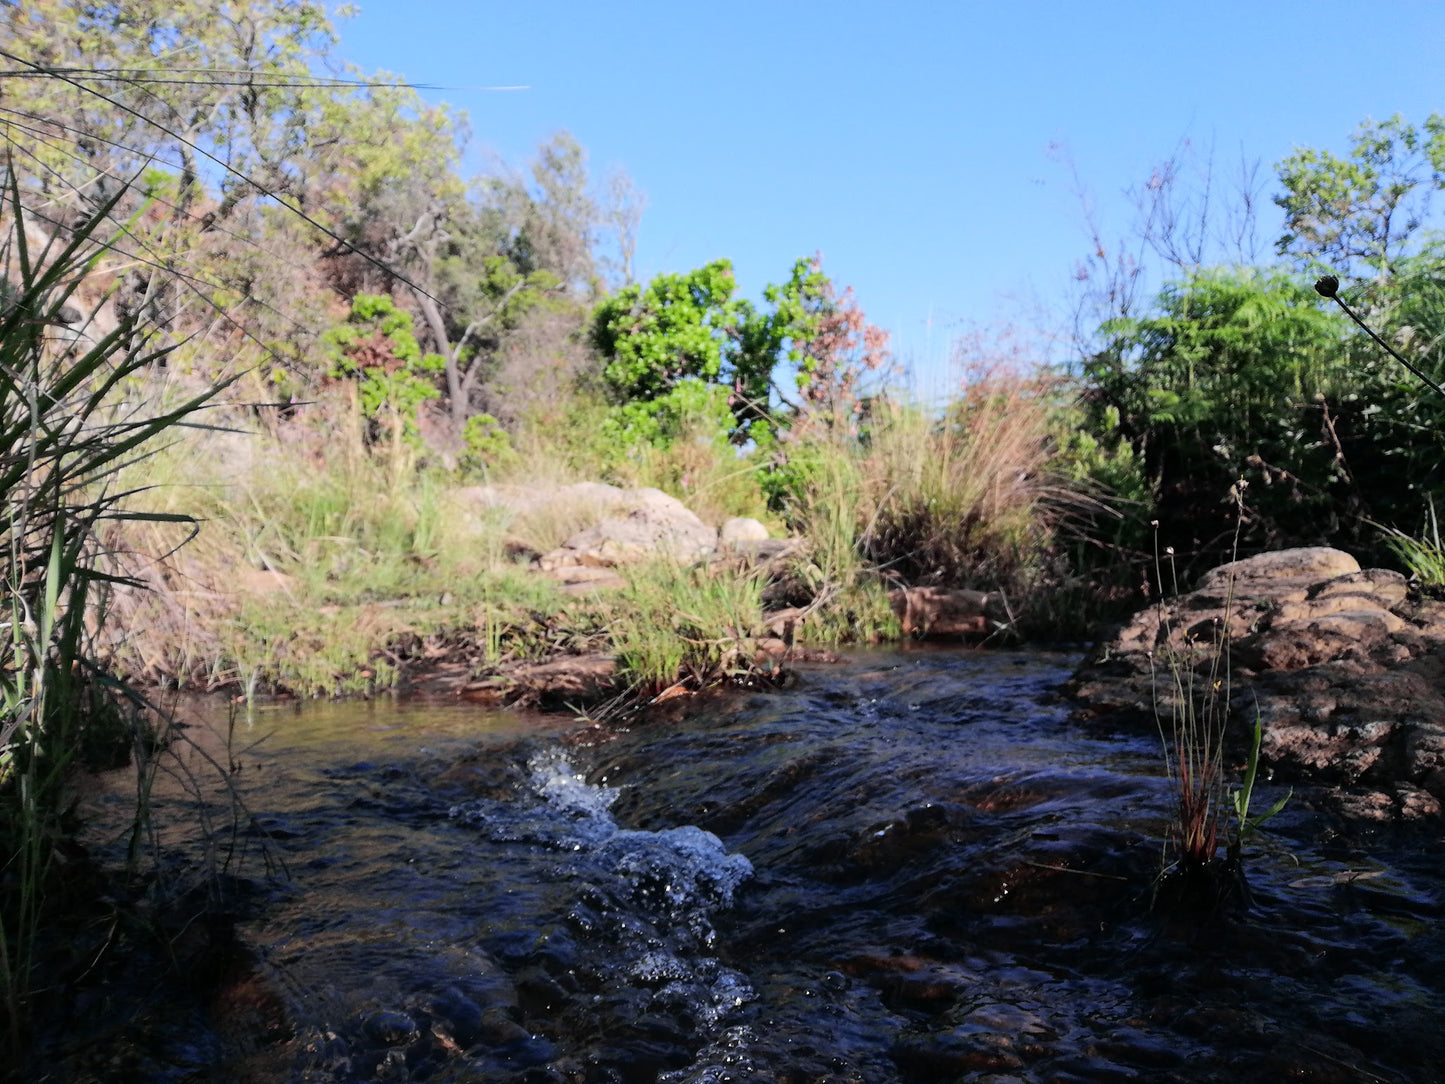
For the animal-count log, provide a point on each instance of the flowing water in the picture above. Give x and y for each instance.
(912, 867)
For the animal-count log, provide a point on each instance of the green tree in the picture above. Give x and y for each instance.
(664, 347)
(1230, 376)
(1367, 207)
(684, 346)
(548, 220)
(264, 182)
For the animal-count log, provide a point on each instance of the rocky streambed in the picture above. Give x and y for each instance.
(904, 868)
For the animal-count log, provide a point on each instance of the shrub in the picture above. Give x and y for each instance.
(377, 348)
(964, 498)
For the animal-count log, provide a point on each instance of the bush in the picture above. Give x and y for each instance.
(1245, 374)
(377, 348)
(967, 498)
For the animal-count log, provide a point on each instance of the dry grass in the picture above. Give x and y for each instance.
(312, 556)
(967, 499)
(962, 498)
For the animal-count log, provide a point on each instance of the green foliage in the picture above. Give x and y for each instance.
(74, 412)
(488, 445)
(1245, 823)
(1221, 353)
(690, 406)
(377, 349)
(664, 344)
(1367, 206)
(1243, 373)
(698, 625)
(787, 473)
(1422, 555)
(675, 328)
(1230, 376)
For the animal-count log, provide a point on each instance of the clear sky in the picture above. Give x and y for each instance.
(909, 143)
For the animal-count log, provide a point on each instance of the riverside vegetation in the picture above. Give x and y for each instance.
(369, 334)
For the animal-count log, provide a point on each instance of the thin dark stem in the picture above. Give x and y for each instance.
(1338, 300)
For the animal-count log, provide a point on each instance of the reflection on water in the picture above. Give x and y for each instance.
(909, 868)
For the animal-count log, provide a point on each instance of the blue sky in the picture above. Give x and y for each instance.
(909, 143)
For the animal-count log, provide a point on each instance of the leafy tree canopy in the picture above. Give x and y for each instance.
(684, 345)
(1366, 208)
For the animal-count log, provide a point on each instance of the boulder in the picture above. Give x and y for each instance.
(651, 525)
(531, 498)
(1313, 564)
(739, 532)
(1345, 669)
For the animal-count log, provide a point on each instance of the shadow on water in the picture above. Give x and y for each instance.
(909, 868)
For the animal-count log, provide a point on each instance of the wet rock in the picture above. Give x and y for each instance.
(946, 1057)
(390, 1028)
(947, 612)
(498, 1028)
(540, 994)
(456, 1016)
(1346, 670)
(248, 1010)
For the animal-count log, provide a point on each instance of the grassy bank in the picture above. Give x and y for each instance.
(326, 565)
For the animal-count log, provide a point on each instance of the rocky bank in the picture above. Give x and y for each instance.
(1346, 667)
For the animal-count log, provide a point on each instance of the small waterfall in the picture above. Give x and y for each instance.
(647, 898)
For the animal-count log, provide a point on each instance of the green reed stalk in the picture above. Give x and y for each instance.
(68, 424)
(1194, 737)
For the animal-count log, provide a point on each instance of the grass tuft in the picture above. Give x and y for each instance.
(697, 625)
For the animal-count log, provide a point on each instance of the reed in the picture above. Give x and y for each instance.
(1193, 716)
(77, 407)
(966, 497)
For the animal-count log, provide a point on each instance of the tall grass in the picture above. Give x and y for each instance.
(74, 412)
(960, 498)
(1193, 715)
(316, 557)
(969, 498)
(1423, 555)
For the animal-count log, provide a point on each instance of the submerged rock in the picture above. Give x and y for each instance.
(1345, 668)
(943, 612)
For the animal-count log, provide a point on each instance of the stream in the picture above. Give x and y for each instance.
(909, 867)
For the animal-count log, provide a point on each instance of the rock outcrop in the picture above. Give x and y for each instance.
(1345, 665)
(740, 532)
(627, 525)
